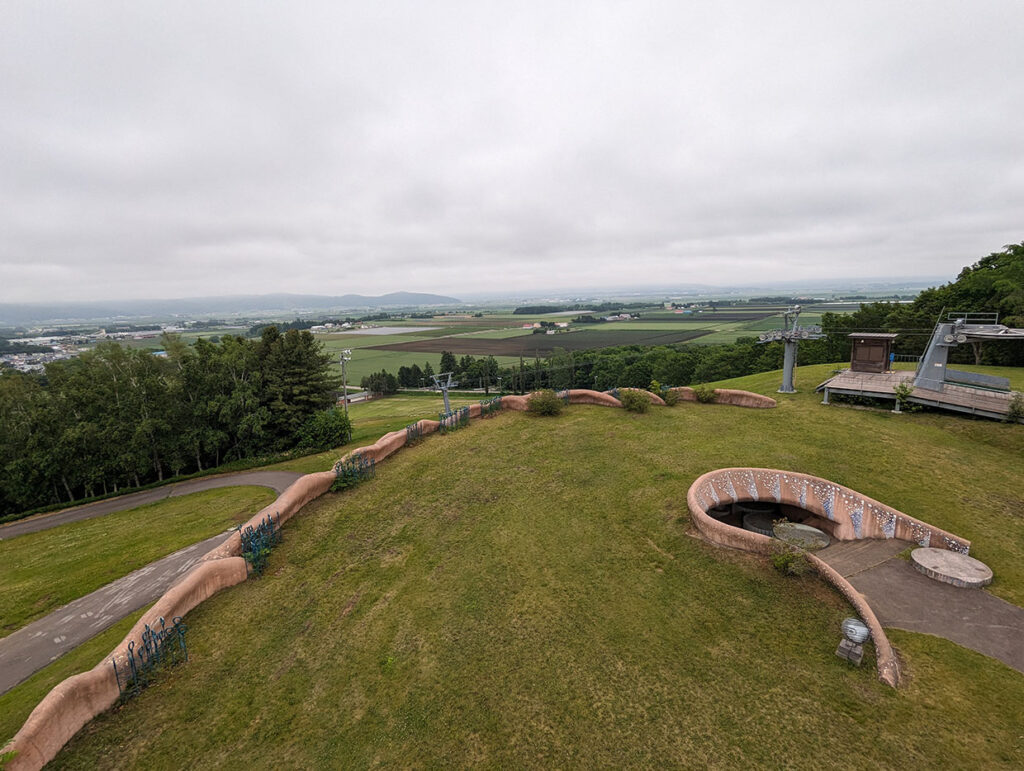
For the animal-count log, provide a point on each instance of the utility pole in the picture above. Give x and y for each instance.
(346, 356)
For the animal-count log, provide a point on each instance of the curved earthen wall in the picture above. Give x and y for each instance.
(847, 514)
(850, 514)
(731, 396)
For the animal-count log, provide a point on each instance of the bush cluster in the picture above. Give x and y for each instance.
(635, 400)
(545, 402)
(705, 394)
(790, 561)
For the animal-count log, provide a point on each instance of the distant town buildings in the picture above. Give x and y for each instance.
(64, 347)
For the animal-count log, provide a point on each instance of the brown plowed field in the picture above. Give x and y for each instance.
(717, 317)
(543, 345)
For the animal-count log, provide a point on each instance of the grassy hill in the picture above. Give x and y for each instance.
(529, 592)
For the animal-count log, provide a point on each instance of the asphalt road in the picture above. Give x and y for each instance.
(276, 480)
(34, 646)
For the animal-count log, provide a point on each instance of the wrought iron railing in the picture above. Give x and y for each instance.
(490, 406)
(259, 541)
(158, 648)
(353, 470)
(457, 418)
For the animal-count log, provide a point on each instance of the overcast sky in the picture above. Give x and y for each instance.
(174, 149)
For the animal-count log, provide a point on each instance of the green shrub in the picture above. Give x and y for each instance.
(545, 402)
(326, 430)
(1016, 411)
(671, 397)
(705, 394)
(635, 400)
(903, 391)
(790, 561)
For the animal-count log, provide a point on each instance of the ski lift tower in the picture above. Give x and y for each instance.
(791, 334)
(444, 382)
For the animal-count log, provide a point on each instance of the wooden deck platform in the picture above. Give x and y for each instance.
(958, 398)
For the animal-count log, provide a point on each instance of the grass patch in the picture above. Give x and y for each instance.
(526, 593)
(371, 420)
(17, 704)
(45, 570)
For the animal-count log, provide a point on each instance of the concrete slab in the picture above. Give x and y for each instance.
(903, 598)
(804, 536)
(951, 568)
(851, 557)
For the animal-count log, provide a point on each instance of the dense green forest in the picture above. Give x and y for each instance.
(117, 417)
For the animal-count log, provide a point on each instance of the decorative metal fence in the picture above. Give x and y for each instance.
(257, 542)
(450, 421)
(563, 395)
(159, 647)
(490, 406)
(352, 471)
(413, 433)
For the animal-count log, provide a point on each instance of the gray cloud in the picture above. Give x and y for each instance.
(160, 150)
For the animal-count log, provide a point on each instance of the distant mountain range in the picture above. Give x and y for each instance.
(26, 313)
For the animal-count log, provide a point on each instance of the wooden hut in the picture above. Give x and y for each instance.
(871, 351)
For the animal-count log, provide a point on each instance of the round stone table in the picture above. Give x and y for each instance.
(952, 567)
(804, 536)
(720, 512)
(758, 522)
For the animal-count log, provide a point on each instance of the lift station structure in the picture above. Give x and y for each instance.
(933, 382)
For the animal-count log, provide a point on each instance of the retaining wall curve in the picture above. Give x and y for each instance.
(845, 513)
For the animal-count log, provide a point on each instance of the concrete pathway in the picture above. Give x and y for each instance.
(905, 599)
(276, 480)
(34, 646)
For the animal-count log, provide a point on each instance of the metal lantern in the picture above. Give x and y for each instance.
(855, 630)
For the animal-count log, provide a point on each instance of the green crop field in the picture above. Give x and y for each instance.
(528, 592)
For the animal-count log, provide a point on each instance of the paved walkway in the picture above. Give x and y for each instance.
(276, 480)
(34, 646)
(905, 599)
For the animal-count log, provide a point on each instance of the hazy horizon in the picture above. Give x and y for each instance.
(156, 151)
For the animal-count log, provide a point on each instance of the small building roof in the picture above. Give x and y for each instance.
(876, 335)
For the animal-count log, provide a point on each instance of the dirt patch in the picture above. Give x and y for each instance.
(351, 604)
(658, 549)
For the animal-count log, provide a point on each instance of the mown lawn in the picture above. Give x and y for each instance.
(529, 592)
(373, 419)
(39, 572)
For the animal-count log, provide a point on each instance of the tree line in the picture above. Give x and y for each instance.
(117, 417)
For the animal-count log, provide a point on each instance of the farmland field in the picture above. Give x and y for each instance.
(543, 345)
(710, 317)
